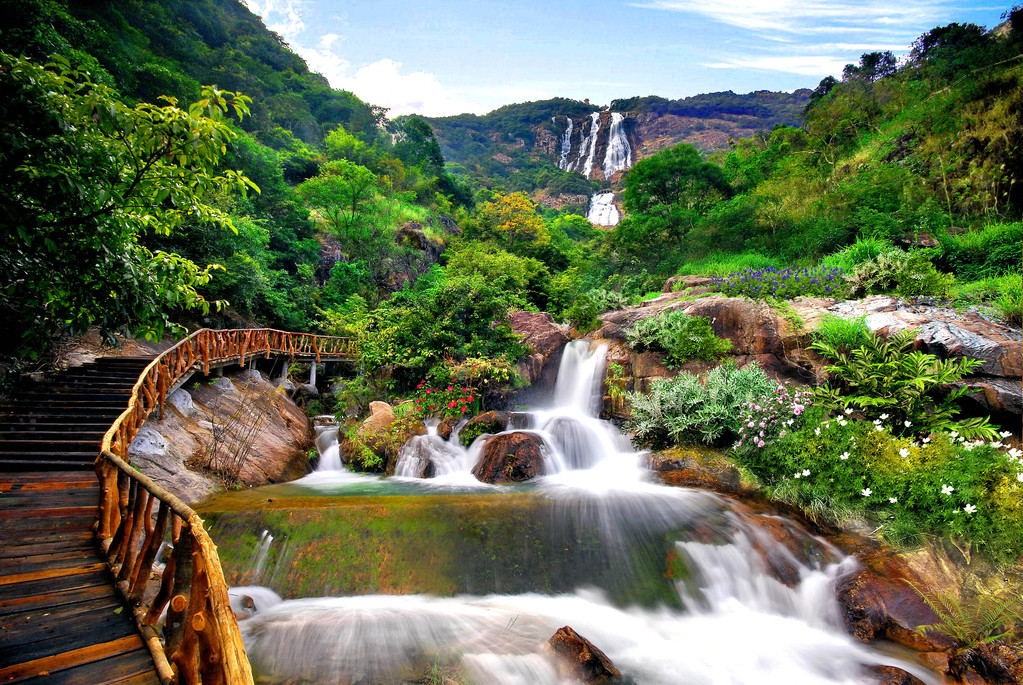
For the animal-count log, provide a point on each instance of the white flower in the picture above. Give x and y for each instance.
(996, 445)
(1015, 453)
(848, 410)
(969, 509)
(843, 422)
(961, 438)
(904, 453)
(866, 492)
(893, 500)
(925, 440)
(845, 455)
(954, 434)
(879, 429)
(816, 431)
(1019, 477)
(947, 489)
(907, 424)
(806, 472)
(797, 474)
(883, 417)
(1005, 434)
(877, 422)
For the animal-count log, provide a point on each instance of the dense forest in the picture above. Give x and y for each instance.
(170, 165)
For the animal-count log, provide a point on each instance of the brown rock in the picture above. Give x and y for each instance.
(381, 416)
(544, 336)
(579, 659)
(444, 429)
(487, 422)
(676, 283)
(878, 602)
(695, 467)
(510, 458)
(890, 675)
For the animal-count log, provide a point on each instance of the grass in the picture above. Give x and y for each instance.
(724, 263)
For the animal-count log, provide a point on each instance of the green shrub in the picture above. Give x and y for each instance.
(724, 263)
(992, 251)
(887, 380)
(902, 273)
(942, 485)
(863, 250)
(681, 336)
(682, 409)
(584, 314)
(1010, 305)
(842, 334)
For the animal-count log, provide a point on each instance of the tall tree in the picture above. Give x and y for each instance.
(85, 177)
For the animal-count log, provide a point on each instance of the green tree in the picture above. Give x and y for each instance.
(87, 176)
(340, 193)
(666, 194)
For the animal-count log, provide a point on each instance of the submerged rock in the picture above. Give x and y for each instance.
(695, 468)
(890, 675)
(579, 659)
(510, 458)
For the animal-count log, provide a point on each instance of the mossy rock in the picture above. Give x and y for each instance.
(487, 422)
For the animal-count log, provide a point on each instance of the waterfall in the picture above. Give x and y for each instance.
(566, 145)
(603, 211)
(619, 152)
(327, 447)
(717, 592)
(594, 133)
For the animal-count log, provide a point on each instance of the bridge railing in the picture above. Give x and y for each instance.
(200, 642)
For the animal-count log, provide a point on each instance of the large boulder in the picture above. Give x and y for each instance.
(545, 338)
(377, 441)
(488, 422)
(578, 659)
(695, 467)
(510, 458)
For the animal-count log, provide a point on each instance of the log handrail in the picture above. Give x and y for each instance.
(200, 642)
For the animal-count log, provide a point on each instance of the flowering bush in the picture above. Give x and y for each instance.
(769, 417)
(782, 283)
(445, 401)
(943, 483)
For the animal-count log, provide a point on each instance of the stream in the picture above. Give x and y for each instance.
(350, 578)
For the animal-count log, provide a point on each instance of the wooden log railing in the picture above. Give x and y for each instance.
(200, 642)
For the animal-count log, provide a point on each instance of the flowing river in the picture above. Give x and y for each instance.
(390, 580)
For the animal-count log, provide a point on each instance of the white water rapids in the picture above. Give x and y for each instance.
(734, 622)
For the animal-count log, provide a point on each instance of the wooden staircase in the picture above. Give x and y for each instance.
(61, 619)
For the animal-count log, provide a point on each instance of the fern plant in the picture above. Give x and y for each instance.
(681, 336)
(978, 623)
(909, 389)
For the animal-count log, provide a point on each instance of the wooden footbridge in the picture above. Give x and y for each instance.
(105, 577)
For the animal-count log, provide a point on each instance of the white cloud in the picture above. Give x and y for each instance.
(804, 65)
(809, 16)
(282, 16)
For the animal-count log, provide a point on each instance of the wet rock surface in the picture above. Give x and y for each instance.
(579, 659)
(545, 338)
(695, 468)
(491, 422)
(510, 458)
(890, 675)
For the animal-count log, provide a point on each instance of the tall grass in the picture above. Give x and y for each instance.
(724, 263)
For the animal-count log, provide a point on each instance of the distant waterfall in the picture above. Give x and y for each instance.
(605, 135)
(594, 133)
(603, 211)
(619, 152)
(566, 145)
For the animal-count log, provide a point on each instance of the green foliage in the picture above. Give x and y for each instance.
(525, 281)
(450, 401)
(909, 274)
(1010, 303)
(682, 409)
(942, 484)
(993, 250)
(87, 177)
(863, 250)
(724, 263)
(886, 379)
(681, 336)
(970, 624)
(842, 335)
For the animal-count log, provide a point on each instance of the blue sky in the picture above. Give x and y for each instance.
(440, 57)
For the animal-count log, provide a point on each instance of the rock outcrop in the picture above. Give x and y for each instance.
(377, 441)
(488, 422)
(778, 340)
(545, 338)
(578, 659)
(241, 429)
(694, 467)
(510, 458)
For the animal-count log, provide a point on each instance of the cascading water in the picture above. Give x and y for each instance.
(619, 153)
(592, 139)
(566, 145)
(327, 447)
(676, 585)
(603, 211)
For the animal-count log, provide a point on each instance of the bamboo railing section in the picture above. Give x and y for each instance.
(200, 642)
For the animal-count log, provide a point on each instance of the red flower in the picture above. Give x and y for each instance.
(419, 400)
(432, 407)
(450, 388)
(470, 398)
(451, 405)
(427, 391)
(463, 409)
